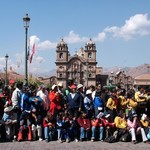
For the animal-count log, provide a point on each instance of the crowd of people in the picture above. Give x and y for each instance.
(75, 113)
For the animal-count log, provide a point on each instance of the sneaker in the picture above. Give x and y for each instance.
(76, 140)
(100, 140)
(67, 140)
(46, 140)
(81, 140)
(92, 139)
(40, 139)
(15, 138)
(60, 141)
(134, 141)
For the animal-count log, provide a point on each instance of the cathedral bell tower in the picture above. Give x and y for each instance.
(62, 55)
(90, 63)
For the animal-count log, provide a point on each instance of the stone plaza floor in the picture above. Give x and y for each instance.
(42, 145)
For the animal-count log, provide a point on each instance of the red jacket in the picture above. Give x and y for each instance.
(46, 122)
(55, 102)
(108, 123)
(96, 123)
(84, 122)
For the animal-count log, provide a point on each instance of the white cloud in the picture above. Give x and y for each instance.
(136, 25)
(46, 45)
(75, 38)
(101, 37)
(11, 65)
(2, 64)
(41, 45)
(39, 59)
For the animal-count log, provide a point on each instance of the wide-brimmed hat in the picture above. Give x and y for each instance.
(60, 84)
(54, 86)
(8, 109)
(88, 92)
(79, 86)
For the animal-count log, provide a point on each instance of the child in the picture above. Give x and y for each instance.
(97, 125)
(49, 127)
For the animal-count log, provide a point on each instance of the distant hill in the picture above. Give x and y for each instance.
(131, 71)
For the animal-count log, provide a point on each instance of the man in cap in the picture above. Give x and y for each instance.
(88, 103)
(74, 101)
(80, 90)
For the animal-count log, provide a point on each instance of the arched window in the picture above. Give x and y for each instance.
(61, 55)
(60, 75)
(90, 75)
(89, 55)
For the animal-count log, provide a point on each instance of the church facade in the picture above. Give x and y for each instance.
(79, 68)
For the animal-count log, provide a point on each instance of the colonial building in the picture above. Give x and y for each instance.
(80, 68)
(142, 80)
(120, 78)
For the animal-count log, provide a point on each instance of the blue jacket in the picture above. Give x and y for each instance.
(98, 102)
(75, 102)
(25, 104)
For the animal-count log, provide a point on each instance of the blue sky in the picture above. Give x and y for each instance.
(119, 28)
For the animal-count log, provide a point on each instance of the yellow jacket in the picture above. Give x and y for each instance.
(111, 104)
(132, 103)
(123, 101)
(145, 123)
(139, 97)
(120, 122)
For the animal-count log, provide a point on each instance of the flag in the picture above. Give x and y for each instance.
(32, 53)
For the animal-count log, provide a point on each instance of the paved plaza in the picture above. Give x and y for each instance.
(42, 145)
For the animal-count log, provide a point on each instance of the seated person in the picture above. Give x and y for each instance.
(85, 126)
(121, 125)
(135, 127)
(97, 125)
(49, 127)
(10, 123)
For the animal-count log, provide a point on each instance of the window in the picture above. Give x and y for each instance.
(90, 75)
(89, 55)
(61, 55)
(60, 75)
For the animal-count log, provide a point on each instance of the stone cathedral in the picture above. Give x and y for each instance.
(79, 68)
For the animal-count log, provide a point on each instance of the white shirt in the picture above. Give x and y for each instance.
(15, 96)
(44, 97)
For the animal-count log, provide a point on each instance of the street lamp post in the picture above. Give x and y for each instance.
(26, 21)
(6, 58)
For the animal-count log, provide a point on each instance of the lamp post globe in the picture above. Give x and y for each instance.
(26, 21)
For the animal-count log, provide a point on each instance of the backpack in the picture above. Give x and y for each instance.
(126, 137)
(110, 139)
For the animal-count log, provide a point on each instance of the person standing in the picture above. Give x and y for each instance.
(55, 101)
(74, 102)
(43, 94)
